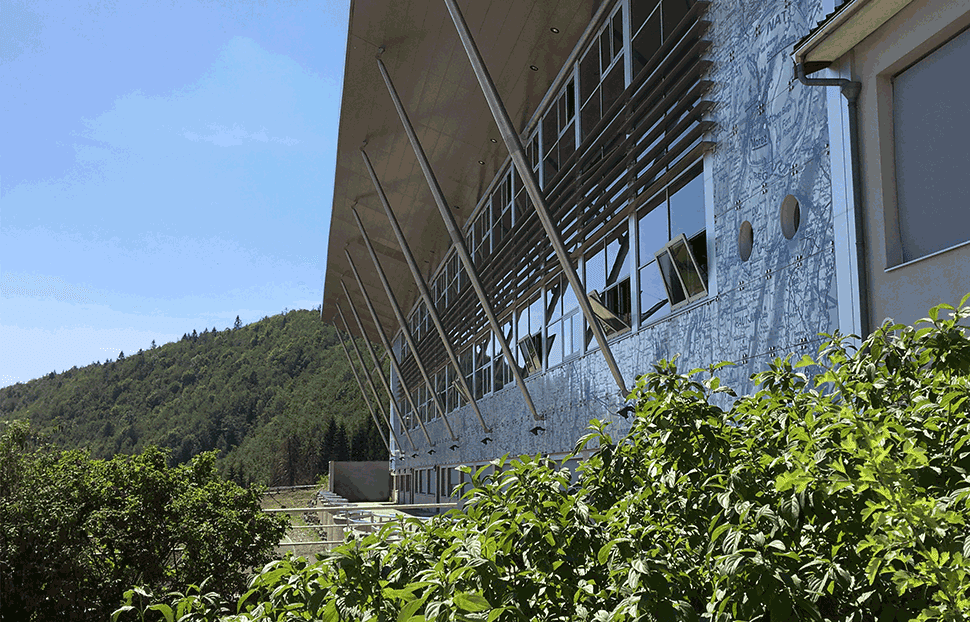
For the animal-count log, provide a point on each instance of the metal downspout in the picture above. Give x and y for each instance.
(850, 90)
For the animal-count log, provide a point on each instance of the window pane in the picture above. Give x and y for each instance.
(596, 271)
(617, 258)
(554, 301)
(653, 233)
(554, 340)
(569, 301)
(591, 115)
(687, 208)
(589, 74)
(931, 136)
(613, 85)
(646, 42)
(674, 11)
(576, 325)
(688, 273)
(670, 278)
(616, 29)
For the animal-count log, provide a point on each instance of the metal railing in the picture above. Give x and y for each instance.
(332, 518)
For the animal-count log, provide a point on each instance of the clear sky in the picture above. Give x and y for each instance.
(164, 167)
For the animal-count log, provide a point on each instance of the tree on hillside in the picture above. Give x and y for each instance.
(238, 324)
(75, 533)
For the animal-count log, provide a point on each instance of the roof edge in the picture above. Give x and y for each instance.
(844, 29)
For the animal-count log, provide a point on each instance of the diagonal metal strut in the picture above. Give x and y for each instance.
(380, 375)
(423, 289)
(514, 145)
(385, 342)
(458, 241)
(402, 321)
(363, 394)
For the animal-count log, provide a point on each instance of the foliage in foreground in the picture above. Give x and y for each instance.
(844, 498)
(75, 533)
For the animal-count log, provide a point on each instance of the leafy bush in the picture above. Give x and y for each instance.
(75, 533)
(844, 497)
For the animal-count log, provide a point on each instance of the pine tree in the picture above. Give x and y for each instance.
(238, 324)
(121, 355)
(153, 344)
(341, 444)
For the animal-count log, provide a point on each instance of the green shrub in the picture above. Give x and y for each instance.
(843, 497)
(75, 533)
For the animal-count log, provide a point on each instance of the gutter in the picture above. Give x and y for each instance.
(850, 90)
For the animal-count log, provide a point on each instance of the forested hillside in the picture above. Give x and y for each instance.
(275, 397)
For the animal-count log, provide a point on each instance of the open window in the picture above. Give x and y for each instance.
(529, 329)
(683, 276)
(673, 246)
(502, 370)
(608, 283)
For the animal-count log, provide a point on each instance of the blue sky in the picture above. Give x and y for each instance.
(164, 167)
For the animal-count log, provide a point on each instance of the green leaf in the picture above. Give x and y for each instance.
(165, 610)
(471, 602)
(604, 552)
(408, 610)
(495, 613)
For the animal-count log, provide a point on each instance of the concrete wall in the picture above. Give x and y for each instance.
(360, 481)
(772, 140)
(903, 292)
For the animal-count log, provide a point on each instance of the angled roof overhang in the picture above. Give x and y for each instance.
(435, 81)
(842, 30)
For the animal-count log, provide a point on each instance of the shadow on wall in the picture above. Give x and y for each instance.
(361, 481)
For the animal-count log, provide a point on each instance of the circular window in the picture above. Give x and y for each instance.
(790, 216)
(745, 240)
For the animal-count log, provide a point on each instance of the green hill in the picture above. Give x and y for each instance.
(275, 397)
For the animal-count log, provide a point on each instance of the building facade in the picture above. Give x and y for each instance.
(698, 190)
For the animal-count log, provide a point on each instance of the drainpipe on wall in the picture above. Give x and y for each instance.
(850, 90)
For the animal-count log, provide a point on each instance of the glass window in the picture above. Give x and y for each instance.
(564, 325)
(502, 373)
(646, 39)
(608, 283)
(440, 380)
(672, 273)
(559, 132)
(484, 353)
(529, 328)
(601, 73)
(931, 136)
(466, 360)
(482, 236)
(502, 212)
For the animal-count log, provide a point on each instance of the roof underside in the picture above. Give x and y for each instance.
(435, 81)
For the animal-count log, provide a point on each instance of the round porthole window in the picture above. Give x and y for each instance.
(745, 240)
(790, 216)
